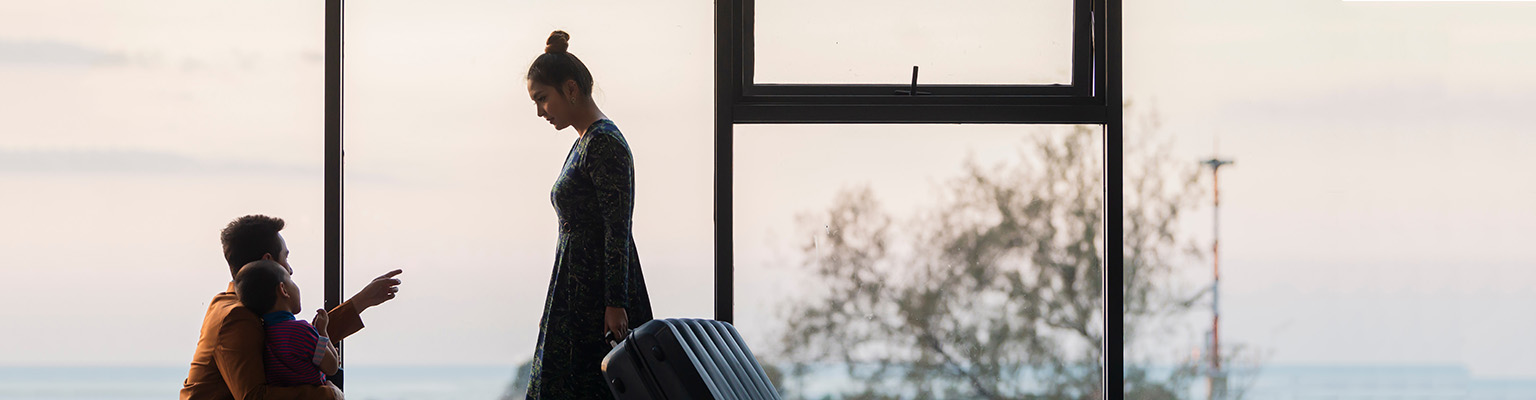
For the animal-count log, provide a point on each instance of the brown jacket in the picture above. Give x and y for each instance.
(227, 364)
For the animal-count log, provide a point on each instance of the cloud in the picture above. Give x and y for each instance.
(137, 162)
(52, 53)
(164, 164)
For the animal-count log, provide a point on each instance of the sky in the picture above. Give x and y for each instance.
(1380, 203)
(1376, 213)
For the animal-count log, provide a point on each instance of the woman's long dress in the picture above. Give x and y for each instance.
(596, 266)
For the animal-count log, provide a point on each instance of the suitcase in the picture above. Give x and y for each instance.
(680, 359)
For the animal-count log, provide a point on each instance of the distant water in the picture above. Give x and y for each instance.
(1429, 382)
(1290, 382)
(159, 383)
(1300, 382)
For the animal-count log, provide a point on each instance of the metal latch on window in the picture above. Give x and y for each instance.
(913, 91)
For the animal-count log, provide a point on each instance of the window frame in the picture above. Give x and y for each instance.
(1094, 97)
(334, 16)
(1082, 83)
(1081, 102)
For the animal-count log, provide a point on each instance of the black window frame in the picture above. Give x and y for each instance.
(1080, 102)
(1094, 98)
(334, 16)
(1082, 70)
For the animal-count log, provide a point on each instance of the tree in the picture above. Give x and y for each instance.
(998, 293)
(518, 389)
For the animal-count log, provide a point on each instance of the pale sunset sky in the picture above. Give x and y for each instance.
(1378, 213)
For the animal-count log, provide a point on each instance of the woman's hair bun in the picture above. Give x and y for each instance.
(558, 42)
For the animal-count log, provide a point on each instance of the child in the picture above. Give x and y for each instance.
(296, 353)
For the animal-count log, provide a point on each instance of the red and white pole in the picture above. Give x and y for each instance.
(1215, 350)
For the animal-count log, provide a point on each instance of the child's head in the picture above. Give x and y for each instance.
(265, 286)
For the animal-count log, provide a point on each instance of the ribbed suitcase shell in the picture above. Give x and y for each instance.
(680, 359)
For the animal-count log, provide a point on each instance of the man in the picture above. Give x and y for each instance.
(227, 363)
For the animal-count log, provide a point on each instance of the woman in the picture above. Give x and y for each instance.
(596, 287)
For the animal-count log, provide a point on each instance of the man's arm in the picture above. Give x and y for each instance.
(238, 355)
(345, 318)
(345, 321)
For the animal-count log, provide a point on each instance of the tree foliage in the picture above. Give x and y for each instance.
(997, 292)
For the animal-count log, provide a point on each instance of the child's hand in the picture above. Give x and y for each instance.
(321, 320)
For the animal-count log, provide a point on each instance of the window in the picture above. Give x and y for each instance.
(1381, 182)
(130, 135)
(449, 171)
(1092, 98)
(877, 42)
(912, 248)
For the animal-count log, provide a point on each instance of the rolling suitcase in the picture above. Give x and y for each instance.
(679, 359)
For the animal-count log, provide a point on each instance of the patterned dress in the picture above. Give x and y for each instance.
(596, 266)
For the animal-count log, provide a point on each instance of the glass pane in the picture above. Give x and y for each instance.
(914, 261)
(878, 41)
(1372, 229)
(130, 135)
(449, 172)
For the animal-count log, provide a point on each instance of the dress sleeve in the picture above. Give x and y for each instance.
(611, 168)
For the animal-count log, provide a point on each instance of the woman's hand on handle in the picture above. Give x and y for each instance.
(616, 320)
